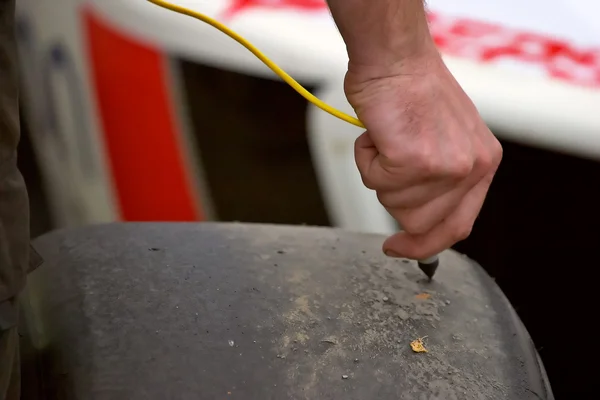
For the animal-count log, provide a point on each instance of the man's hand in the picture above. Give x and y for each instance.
(427, 153)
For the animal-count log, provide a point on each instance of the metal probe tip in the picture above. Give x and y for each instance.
(429, 266)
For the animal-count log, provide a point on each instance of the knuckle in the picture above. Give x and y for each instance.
(491, 159)
(395, 155)
(462, 232)
(497, 152)
(385, 199)
(485, 162)
(413, 225)
(461, 167)
(367, 181)
(366, 177)
(428, 164)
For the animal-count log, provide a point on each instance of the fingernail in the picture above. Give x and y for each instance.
(393, 254)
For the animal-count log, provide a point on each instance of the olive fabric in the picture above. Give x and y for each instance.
(14, 208)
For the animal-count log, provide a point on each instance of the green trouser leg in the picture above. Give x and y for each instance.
(14, 209)
(10, 388)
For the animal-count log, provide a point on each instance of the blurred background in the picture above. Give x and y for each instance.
(134, 113)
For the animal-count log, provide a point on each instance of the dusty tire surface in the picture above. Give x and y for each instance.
(207, 311)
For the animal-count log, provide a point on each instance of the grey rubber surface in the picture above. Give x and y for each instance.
(211, 311)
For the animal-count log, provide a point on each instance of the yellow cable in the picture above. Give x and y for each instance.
(274, 67)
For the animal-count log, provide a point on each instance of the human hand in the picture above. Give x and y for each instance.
(426, 152)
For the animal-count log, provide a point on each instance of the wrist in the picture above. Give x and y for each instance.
(395, 42)
(405, 61)
(414, 74)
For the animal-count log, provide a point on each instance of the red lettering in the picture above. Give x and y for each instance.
(308, 5)
(473, 29)
(480, 41)
(491, 43)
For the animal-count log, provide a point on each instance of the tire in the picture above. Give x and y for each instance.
(206, 311)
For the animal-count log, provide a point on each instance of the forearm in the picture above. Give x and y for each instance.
(382, 32)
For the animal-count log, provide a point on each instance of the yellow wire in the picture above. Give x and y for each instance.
(274, 67)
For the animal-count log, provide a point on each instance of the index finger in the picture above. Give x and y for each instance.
(453, 229)
(374, 175)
